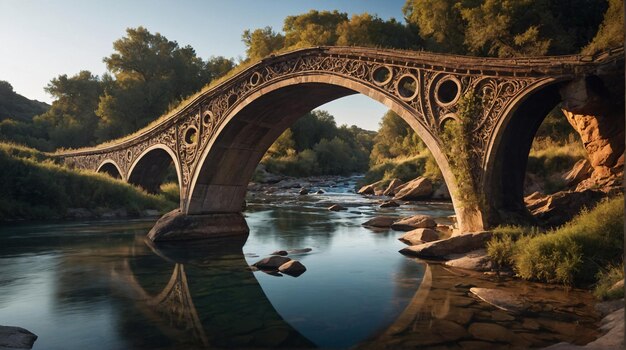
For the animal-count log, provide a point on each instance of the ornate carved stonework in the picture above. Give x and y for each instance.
(428, 85)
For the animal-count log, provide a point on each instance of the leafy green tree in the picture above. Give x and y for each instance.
(611, 31)
(395, 138)
(71, 121)
(439, 23)
(311, 128)
(314, 28)
(368, 30)
(151, 73)
(262, 42)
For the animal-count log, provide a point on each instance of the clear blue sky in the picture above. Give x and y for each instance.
(42, 39)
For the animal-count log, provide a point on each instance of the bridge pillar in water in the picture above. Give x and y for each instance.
(177, 226)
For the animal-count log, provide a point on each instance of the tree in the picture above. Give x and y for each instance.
(439, 24)
(311, 128)
(262, 42)
(368, 30)
(314, 28)
(71, 121)
(395, 138)
(611, 31)
(151, 74)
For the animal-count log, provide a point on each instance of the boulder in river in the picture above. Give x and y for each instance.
(337, 207)
(304, 191)
(389, 204)
(369, 189)
(16, 338)
(392, 187)
(476, 260)
(292, 268)
(454, 245)
(419, 236)
(271, 263)
(279, 252)
(413, 222)
(419, 188)
(380, 221)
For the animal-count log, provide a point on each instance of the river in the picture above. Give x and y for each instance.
(101, 285)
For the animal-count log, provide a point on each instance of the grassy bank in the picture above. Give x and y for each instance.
(577, 253)
(33, 186)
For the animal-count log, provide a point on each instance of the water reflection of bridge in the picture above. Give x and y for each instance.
(231, 309)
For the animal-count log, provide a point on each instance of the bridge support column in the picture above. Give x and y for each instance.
(177, 226)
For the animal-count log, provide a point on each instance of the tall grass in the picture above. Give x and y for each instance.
(34, 187)
(572, 254)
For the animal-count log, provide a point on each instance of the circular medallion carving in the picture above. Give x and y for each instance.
(407, 87)
(447, 91)
(382, 75)
(191, 135)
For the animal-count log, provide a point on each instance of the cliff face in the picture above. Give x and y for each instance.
(594, 113)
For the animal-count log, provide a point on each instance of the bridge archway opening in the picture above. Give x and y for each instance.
(156, 167)
(508, 161)
(229, 161)
(110, 169)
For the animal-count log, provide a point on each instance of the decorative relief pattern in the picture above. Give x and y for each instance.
(429, 90)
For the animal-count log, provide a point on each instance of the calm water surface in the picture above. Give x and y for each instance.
(100, 285)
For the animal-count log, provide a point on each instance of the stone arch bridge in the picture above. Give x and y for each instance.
(217, 138)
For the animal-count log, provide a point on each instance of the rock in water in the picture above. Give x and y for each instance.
(279, 252)
(419, 188)
(16, 338)
(392, 187)
(501, 299)
(304, 191)
(454, 245)
(417, 221)
(419, 236)
(271, 263)
(337, 207)
(380, 221)
(176, 226)
(389, 204)
(369, 189)
(292, 268)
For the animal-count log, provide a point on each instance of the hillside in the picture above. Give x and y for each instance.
(17, 107)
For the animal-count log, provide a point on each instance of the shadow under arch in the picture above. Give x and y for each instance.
(150, 167)
(507, 158)
(228, 162)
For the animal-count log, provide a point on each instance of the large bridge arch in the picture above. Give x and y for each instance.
(227, 164)
(150, 167)
(508, 151)
(111, 168)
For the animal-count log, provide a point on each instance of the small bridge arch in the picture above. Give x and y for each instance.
(110, 168)
(149, 168)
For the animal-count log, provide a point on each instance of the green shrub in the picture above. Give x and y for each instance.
(574, 253)
(170, 192)
(32, 189)
(606, 280)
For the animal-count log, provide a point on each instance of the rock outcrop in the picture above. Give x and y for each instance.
(558, 208)
(419, 188)
(454, 245)
(393, 187)
(371, 188)
(413, 222)
(591, 109)
(380, 221)
(176, 226)
(419, 236)
(271, 263)
(16, 338)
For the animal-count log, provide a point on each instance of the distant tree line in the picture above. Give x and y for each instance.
(314, 145)
(147, 74)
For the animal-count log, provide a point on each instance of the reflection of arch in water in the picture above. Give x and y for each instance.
(179, 313)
